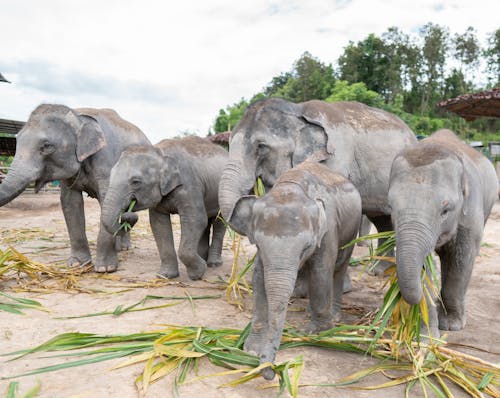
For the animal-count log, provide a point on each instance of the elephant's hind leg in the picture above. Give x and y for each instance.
(215, 250)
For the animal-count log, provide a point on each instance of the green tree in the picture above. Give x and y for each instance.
(227, 118)
(343, 91)
(492, 55)
(309, 79)
(434, 55)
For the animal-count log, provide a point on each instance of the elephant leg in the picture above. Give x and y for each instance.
(72, 207)
(204, 242)
(457, 259)
(320, 269)
(383, 224)
(123, 242)
(340, 275)
(192, 228)
(364, 229)
(258, 333)
(301, 289)
(215, 250)
(106, 256)
(164, 237)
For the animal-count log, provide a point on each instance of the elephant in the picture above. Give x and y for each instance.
(275, 135)
(301, 223)
(79, 148)
(175, 176)
(441, 193)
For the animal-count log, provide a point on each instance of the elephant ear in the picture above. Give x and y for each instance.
(170, 177)
(89, 138)
(465, 193)
(322, 225)
(242, 216)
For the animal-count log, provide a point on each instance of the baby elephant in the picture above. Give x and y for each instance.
(302, 222)
(441, 193)
(177, 176)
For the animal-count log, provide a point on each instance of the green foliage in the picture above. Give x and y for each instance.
(230, 116)
(309, 79)
(343, 91)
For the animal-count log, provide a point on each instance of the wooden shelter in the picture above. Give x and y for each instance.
(474, 105)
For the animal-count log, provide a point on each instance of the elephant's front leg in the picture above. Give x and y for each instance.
(255, 340)
(72, 206)
(192, 228)
(215, 250)
(457, 259)
(106, 256)
(164, 237)
(320, 268)
(123, 242)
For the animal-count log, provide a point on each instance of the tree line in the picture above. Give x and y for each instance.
(404, 74)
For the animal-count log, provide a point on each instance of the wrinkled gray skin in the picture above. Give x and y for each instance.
(441, 194)
(275, 135)
(78, 147)
(178, 176)
(301, 223)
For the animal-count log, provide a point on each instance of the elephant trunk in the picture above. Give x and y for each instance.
(114, 204)
(237, 179)
(415, 240)
(279, 280)
(20, 175)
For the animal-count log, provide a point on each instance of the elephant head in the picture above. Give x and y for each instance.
(273, 136)
(142, 174)
(428, 195)
(51, 146)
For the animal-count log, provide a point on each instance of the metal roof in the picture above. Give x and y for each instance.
(471, 106)
(3, 79)
(8, 131)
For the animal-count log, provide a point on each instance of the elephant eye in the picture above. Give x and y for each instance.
(135, 181)
(447, 207)
(262, 149)
(47, 148)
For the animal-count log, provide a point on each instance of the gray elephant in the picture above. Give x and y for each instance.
(441, 194)
(177, 176)
(275, 135)
(301, 223)
(78, 147)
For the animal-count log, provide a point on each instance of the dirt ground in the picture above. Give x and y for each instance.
(49, 243)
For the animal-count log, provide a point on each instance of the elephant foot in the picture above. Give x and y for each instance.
(196, 272)
(451, 321)
(169, 273)
(347, 286)
(105, 268)
(315, 327)
(381, 267)
(214, 263)
(75, 262)
(123, 242)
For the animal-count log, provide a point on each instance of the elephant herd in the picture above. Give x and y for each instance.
(323, 165)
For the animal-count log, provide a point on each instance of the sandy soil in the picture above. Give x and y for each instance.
(49, 243)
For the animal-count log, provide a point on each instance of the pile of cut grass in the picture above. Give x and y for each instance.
(34, 276)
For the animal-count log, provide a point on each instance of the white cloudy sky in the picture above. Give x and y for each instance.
(169, 66)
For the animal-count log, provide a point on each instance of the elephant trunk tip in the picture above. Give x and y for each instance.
(413, 296)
